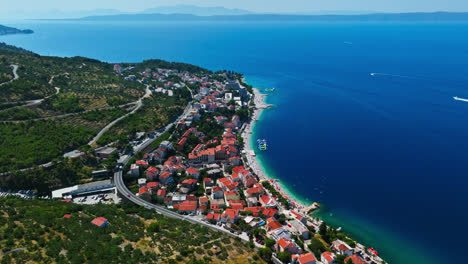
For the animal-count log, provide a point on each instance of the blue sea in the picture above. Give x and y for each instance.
(364, 120)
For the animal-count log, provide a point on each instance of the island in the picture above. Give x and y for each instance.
(150, 161)
(4, 30)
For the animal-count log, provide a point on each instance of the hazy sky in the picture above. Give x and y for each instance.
(276, 6)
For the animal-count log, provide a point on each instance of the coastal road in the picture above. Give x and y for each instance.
(122, 188)
(118, 181)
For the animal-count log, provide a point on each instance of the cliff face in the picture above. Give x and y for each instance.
(4, 30)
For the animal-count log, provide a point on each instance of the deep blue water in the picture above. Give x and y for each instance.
(385, 153)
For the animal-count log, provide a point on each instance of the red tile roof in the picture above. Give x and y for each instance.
(284, 243)
(99, 221)
(355, 259)
(255, 210)
(191, 198)
(343, 247)
(222, 180)
(298, 216)
(207, 180)
(228, 193)
(141, 162)
(269, 212)
(328, 256)
(306, 258)
(152, 170)
(165, 175)
(188, 206)
(152, 184)
(273, 223)
(266, 199)
(238, 169)
(189, 181)
(231, 213)
(182, 141)
(192, 170)
(237, 206)
(144, 189)
(214, 207)
(162, 192)
(254, 190)
(214, 216)
(217, 189)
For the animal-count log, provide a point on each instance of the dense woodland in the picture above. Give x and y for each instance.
(31, 143)
(133, 235)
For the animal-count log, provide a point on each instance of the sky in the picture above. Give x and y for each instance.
(19, 7)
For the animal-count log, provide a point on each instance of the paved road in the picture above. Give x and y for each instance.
(118, 180)
(122, 189)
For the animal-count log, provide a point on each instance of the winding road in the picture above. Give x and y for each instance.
(30, 102)
(122, 189)
(139, 104)
(15, 74)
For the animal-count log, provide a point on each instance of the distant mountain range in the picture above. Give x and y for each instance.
(433, 17)
(56, 13)
(177, 9)
(196, 10)
(4, 30)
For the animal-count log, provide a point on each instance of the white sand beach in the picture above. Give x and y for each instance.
(260, 105)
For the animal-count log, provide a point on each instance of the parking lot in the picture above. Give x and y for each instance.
(106, 198)
(21, 194)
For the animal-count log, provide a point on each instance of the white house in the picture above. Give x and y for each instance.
(342, 248)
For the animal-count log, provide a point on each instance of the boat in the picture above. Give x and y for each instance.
(372, 250)
(262, 144)
(270, 90)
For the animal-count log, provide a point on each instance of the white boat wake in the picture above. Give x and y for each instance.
(460, 99)
(387, 74)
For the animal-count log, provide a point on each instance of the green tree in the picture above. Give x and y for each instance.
(323, 232)
(316, 246)
(154, 227)
(269, 242)
(284, 256)
(265, 253)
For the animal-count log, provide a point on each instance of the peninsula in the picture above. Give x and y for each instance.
(4, 30)
(170, 138)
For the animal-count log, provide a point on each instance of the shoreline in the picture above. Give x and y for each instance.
(252, 159)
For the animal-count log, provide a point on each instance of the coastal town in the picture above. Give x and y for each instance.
(203, 167)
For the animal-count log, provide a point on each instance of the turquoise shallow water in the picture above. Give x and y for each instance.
(384, 152)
